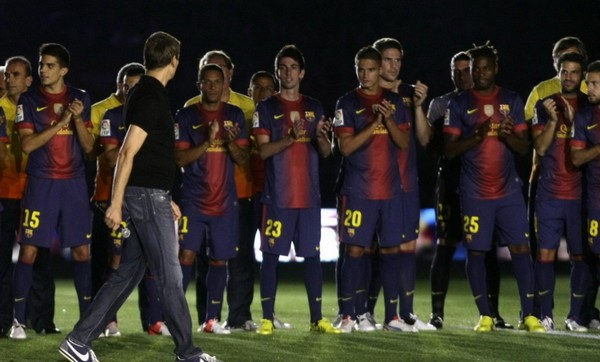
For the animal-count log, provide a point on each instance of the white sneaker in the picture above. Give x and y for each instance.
(378, 326)
(364, 324)
(348, 324)
(205, 357)
(594, 324)
(248, 326)
(213, 326)
(573, 326)
(420, 325)
(112, 330)
(279, 324)
(17, 331)
(338, 321)
(547, 323)
(398, 325)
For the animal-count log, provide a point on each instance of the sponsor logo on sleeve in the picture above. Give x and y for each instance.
(339, 118)
(255, 120)
(20, 116)
(105, 128)
(176, 125)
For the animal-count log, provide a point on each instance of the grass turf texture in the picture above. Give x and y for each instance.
(455, 342)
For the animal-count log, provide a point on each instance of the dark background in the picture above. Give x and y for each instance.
(104, 35)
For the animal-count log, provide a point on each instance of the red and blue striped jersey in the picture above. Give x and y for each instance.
(488, 169)
(558, 177)
(407, 158)
(291, 176)
(587, 134)
(61, 157)
(371, 172)
(208, 182)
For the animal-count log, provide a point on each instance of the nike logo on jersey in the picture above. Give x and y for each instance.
(88, 236)
(121, 128)
(591, 126)
(196, 126)
(278, 116)
(359, 111)
(81, 356)
(19, 300)
(39, 109)
(471, 111)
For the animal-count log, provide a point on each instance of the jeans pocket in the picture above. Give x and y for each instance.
(137, 207)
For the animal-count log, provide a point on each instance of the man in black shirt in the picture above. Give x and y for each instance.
(145, 172)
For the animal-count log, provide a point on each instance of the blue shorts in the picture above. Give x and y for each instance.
(507, 216)
(51, 206)
(555, 218)
(361, 218)
(593, 227)
(220, 232)
(411, 212)
(282, 226)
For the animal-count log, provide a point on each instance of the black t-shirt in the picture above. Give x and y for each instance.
(148, 107)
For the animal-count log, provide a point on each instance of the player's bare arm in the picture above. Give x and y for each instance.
(455, 145)
(543, 139)
(348, 143)
(134, 139)
(422, 125)
(323, 141)
(185, 157)
(84, 134)
(581, 156)
(31, 141)
(399, 136)
(267, 149)
(516, 141)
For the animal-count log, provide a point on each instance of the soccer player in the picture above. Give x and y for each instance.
(211, 136)
(413, 97)
(485, 125)
(370, 126)
(2, 83)
(262, 86)
(107, 245)
(144, 175)
(585, 150)
(449, 225)
(240, 286)
(558, 198)
(55, 131)
(291, 132)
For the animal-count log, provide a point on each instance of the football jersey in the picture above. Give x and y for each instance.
(371, 171)
(587, 134)
(291, 176)
(208, 182)
(12, 168)
(61, 157)
(112, 131)
(407, 158)
(487, 169)
(558, 177)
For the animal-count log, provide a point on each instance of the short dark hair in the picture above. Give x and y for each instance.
(21, 60)
(159, 50)
(210, 67)
(290, 51)
(137, 68)
(572, 57)
(262, 74)
(486, 50)
(216, 53)
(566, 43)
(58, 51)
(368, 52)
(462, 55)
(594, 67)
(388, 43)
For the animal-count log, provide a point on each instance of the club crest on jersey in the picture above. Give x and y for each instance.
(58, 108)
(255, 120)
(504, 109)
(488, 110)
(447, 117)
(28, 233)
(309, 116)
(176, 126)
(407, 102)
(20, 117)
(339, 118)
(534, 120)
(105, 128)
(228, 124)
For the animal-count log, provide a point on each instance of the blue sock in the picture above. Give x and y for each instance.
(523, 269)
(580, 280)
(83, 284)
(408, 274)
(545, 277)
(439, 277)
(268, 284)
(154, 308)
(350, 275)
(313, 281)
(187, 271)
(374, 282)
(475, 267)
(216, 279)
(362, 287)
(390, 265)
(22, 277)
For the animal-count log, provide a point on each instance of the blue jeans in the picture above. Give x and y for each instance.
(153, 243)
